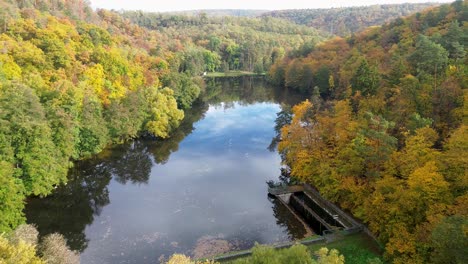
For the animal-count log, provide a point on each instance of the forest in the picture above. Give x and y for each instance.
(74, 80)
(68, 89)
(384, 133)
(229, 43)
(348, 20)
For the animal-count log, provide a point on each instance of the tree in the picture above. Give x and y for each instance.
(366, 79)
(212, 61)
(417, 152)
(11, 198)
(455, 162)
(186, 90)
(454, 41)
(322, 80)
(38, 163)
(373, 145)
(93, 136)
(299, 76)
(449, 240)
(164, 116)
(20, 253)
(428, 57)
(55, 251)
(326, 256)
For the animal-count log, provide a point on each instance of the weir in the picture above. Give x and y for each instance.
(321, 215)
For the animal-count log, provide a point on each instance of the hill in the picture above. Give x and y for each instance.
(384, 134)
(348, 20)
(220, 12)
(239, 43)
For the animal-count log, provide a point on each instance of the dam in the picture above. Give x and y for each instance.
(322, 216)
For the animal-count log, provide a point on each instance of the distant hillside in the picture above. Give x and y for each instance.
(344, 21)
(222, 12)
(237, 43)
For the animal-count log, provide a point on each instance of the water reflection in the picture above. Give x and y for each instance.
(72, 207)
(162, 149)
(147, 198)
(246, 90)
(132, 164)
(284, 218)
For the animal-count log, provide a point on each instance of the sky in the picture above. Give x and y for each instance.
(179, 5)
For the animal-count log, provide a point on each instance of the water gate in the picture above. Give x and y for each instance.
(318, 213)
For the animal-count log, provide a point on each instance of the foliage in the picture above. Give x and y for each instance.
(21, 246)
(366, 79)
(25, 233)
(182, 259)
(295, 254)
(347, 20)
(164, 113)
(73, 81)
(55, 251)
(428, 57)
(11, 197)
(20, 253)
(227, 43)
(389, 143)
(449, 239)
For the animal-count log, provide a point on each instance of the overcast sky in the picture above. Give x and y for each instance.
(178, 5)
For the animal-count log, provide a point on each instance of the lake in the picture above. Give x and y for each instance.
(202, 192)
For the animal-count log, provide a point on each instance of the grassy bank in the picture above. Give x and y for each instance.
(232, 74)
(357, 249)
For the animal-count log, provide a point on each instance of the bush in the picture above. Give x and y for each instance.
(179, 259)
(18, 253)
(21, 246)
(25, 233)
(297, 254)
(54, 250)
(182, 259)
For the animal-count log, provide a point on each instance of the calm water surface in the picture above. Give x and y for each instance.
(201, 192)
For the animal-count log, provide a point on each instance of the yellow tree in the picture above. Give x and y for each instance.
(296, 139)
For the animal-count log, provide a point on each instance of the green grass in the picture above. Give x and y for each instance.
(231, 74)
(357, 248)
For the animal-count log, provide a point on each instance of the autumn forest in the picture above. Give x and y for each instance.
(382, 131)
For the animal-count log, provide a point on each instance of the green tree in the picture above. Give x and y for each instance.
(366, 79)
(322, 80)
(93, 135)
(212, 61)
(11, 198)
(449, 239)
(454, 41)
(186, 91)
(428, 57)
(37, 160)
(164, 116)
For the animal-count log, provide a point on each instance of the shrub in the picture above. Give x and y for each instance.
(25, 233)
(18, 253)
(54, 250)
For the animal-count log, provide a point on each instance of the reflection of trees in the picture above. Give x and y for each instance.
(73, 206)
(286, 219)
(162, 149)
(131, 163)
(283, 118)
(247, 90)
